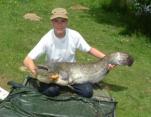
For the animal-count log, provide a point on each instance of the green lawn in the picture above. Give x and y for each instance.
(130, 86)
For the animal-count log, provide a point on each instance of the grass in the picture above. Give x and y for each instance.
(131, 87)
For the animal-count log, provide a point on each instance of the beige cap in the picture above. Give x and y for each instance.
(59, 12)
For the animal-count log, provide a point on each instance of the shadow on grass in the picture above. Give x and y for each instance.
(129, 23)
(112, 87)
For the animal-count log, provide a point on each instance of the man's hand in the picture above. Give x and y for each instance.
(34, 73)
(110, 66)
(29, 63)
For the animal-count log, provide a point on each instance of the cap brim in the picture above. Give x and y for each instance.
(58, 16)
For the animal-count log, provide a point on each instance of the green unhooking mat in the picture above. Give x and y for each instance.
(26, 102)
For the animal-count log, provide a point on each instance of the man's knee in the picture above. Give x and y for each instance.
(88, 91)
(52, 91)
(85, 90)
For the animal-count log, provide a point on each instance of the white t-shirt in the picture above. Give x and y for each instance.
(59, 50)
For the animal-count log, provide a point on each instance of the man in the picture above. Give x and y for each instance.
(60, 45)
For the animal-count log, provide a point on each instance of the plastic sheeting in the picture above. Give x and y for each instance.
(27, 102)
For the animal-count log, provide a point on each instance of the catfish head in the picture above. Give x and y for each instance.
(120, 58)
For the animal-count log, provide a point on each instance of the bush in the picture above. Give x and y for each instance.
(142, 7)
(142, 11)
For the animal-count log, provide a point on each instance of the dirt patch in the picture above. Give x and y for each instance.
(32, 17)
(148, 91)
(3, 83)
(79, 7)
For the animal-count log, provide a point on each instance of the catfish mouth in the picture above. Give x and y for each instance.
(130, 61)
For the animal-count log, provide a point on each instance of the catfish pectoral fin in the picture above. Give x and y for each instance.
(53, 76)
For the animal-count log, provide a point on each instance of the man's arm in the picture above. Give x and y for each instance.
(29, 63)
(96, 53)
(99, 54)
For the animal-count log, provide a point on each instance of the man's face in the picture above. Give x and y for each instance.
(59, 25)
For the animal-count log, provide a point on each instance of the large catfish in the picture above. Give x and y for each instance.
(67, 73)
